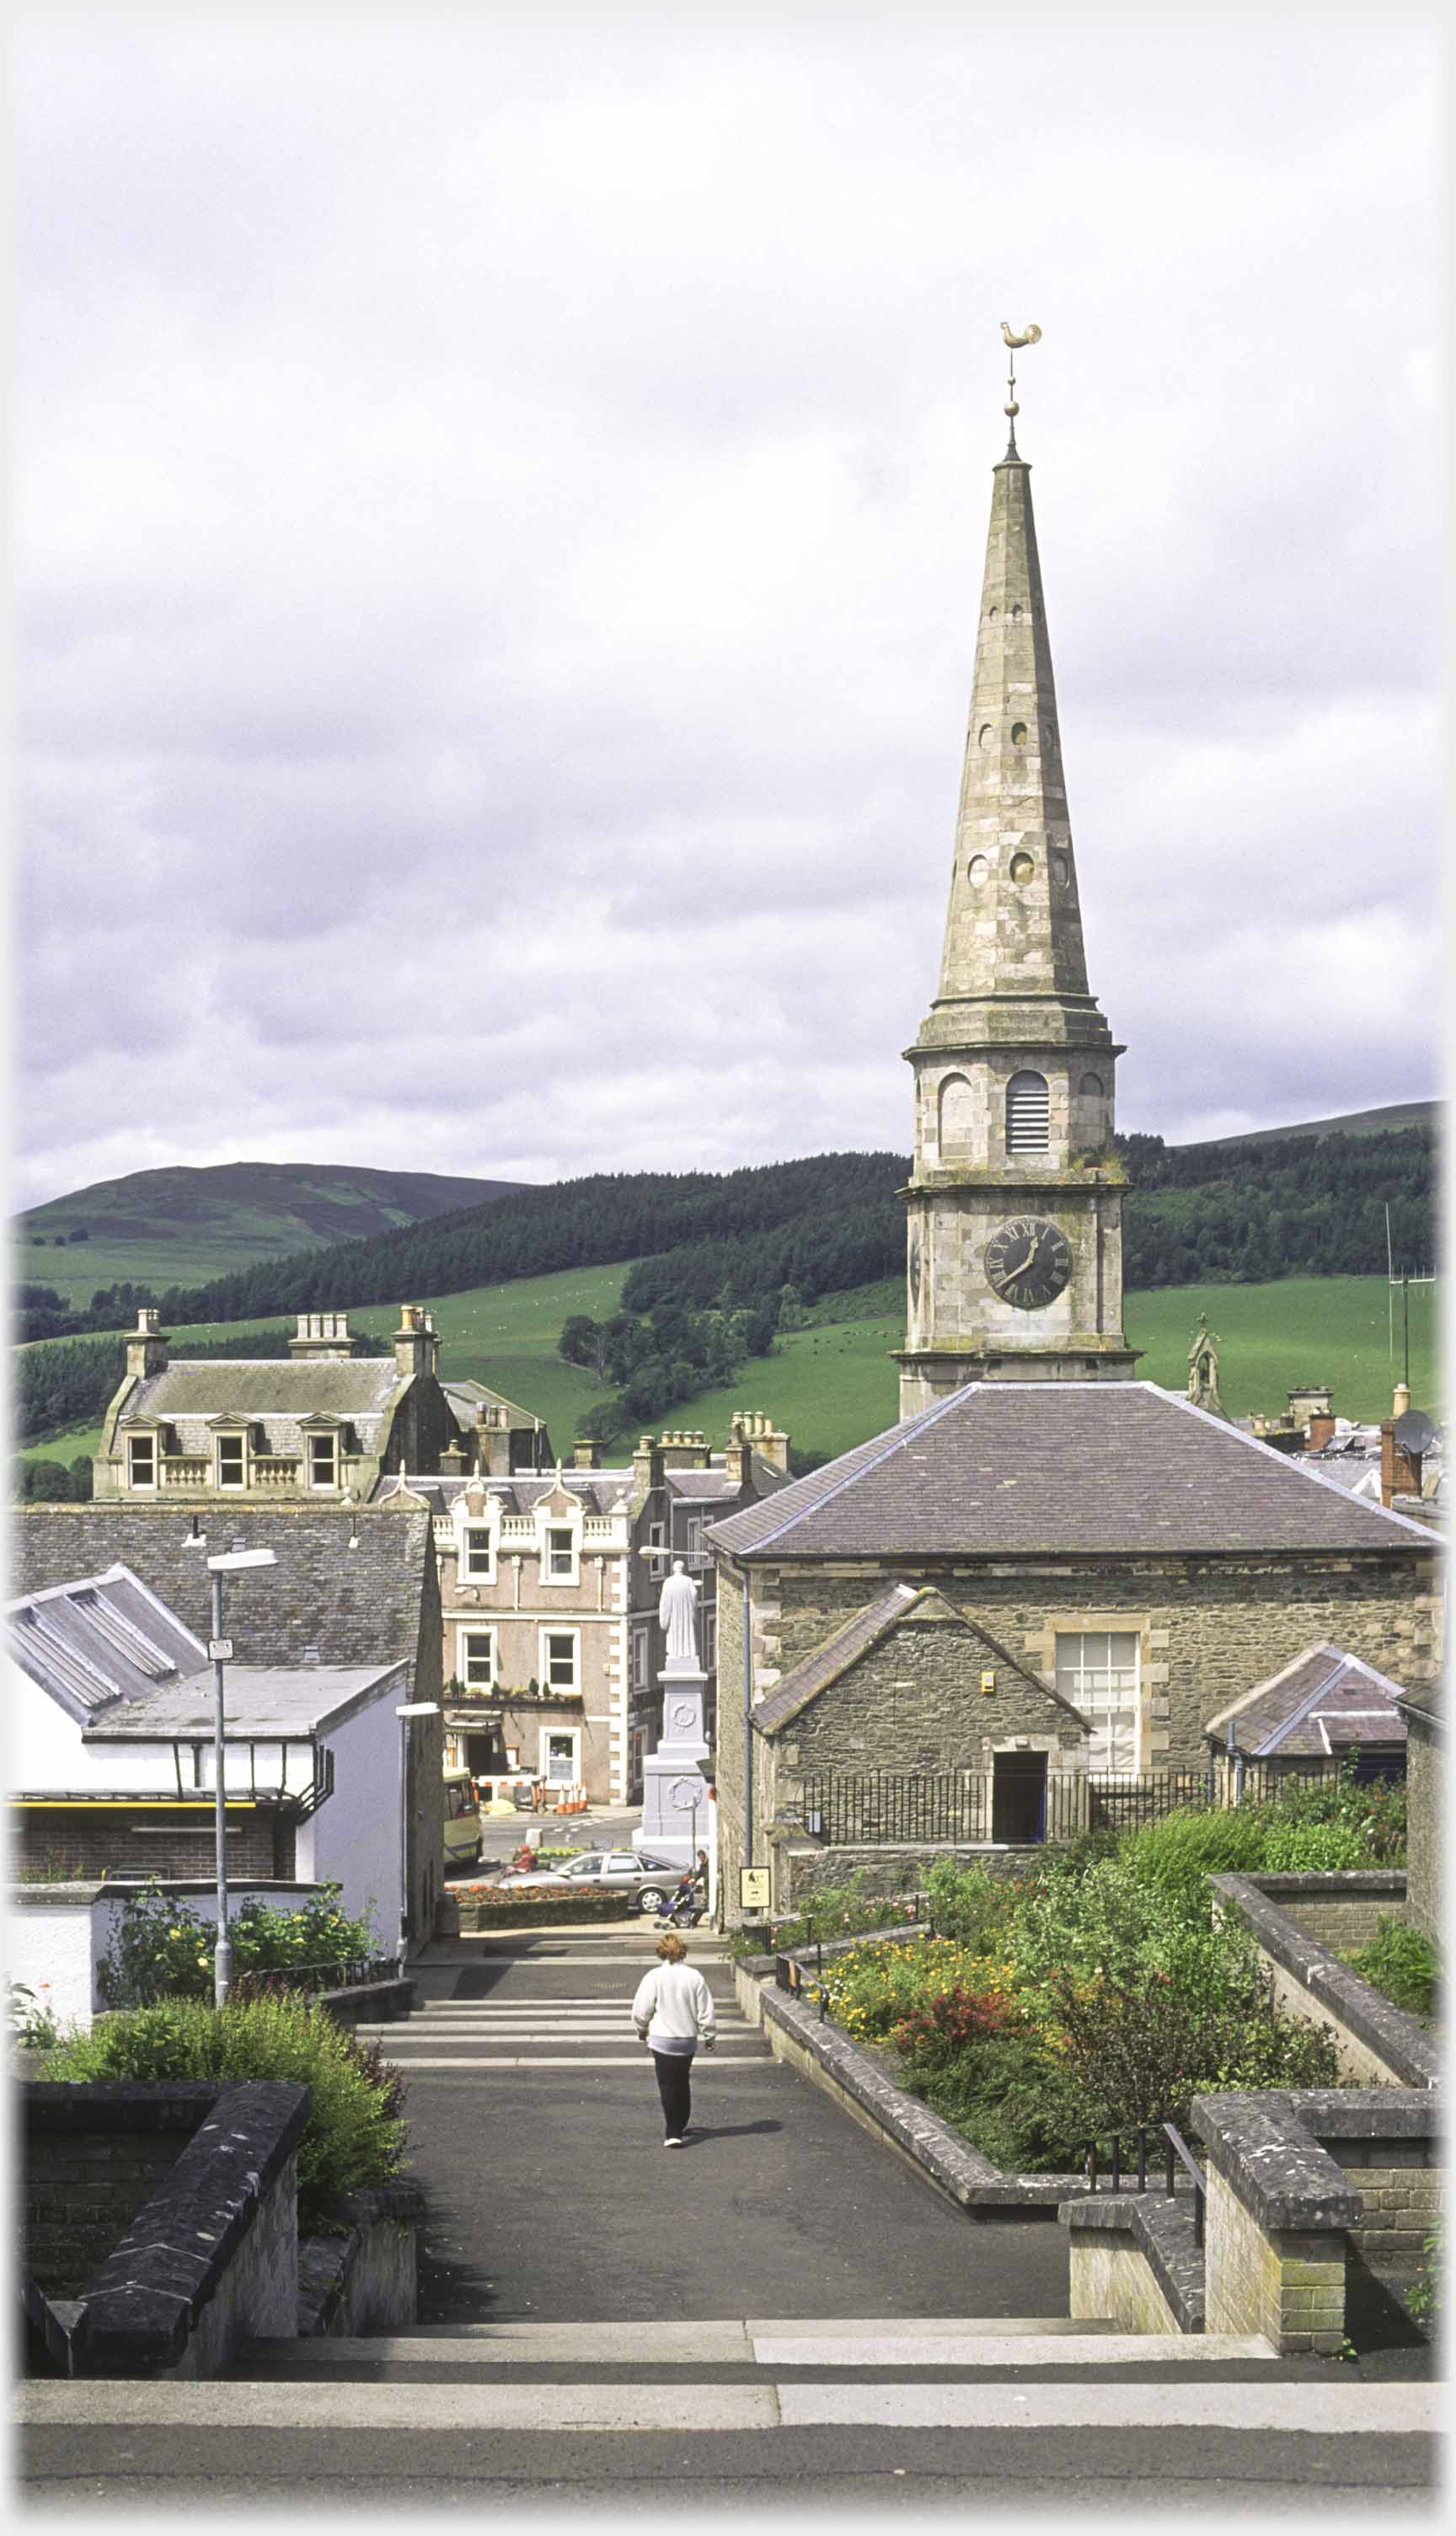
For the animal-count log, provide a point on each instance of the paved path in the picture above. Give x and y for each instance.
(536, 2132)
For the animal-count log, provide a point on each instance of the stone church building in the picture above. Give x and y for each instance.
(1049, 1570)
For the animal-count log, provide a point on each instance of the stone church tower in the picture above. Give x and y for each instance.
(1014, 1263)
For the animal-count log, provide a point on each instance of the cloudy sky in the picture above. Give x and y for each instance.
(501, 504)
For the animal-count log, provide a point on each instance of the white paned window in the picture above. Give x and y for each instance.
(1097, 1670)
(559, 1757)
(559, 1659)
(560, 1556)
(639, 1658)
(708, 1638)
(232, 1469)
(478, 1658)
(141, 1461)
(1028, 1113)
(323, 1462)
(476, 1556)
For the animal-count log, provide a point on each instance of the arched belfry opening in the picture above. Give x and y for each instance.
(957, 1121)
(1028, 1113)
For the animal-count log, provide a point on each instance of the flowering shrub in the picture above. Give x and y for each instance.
(33, 2023)
(871, 1989)
(161, 1948)
(951, 2020)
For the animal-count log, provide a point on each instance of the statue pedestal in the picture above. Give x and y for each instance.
(677, 1816)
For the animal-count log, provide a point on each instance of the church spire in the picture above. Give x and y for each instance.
(1014, 1263)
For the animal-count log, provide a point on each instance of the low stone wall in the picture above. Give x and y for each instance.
(1343, 1910)
(1378, 2042)
(367, 2003)
(888, 1868)
(541, 1909)
(367, 2280)
(1133, 2258)
(1285, 2202)
(212, 2255)
(60, 1932)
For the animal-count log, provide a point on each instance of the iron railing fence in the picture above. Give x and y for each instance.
(258, 1980)
(971, 1808)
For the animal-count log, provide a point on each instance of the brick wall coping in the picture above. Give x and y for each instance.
(142, 2302)
(1162, 2227)
(80, 1895)
(951, 2162)
(1399, 2040)
(1267, 2147)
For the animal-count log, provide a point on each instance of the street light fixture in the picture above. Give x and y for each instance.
(227, 1564)
(409, 1708)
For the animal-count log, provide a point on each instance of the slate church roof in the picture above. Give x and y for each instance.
(353, 1585)
(1075, 1469)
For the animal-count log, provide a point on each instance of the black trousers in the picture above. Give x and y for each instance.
(676, 2088)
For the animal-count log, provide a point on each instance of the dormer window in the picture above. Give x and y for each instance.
(560, 1552)
(141, 1461)
(323, 1461)
(476, 1558)
(231, 1462)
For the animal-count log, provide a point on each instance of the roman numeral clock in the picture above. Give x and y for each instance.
(1028, 1262)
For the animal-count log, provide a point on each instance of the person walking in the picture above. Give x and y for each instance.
(672, 2012)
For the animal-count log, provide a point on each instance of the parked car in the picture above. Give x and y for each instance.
(462, 1822)
(649, 1880)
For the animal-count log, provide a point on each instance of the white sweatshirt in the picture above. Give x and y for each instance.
(676, 2004)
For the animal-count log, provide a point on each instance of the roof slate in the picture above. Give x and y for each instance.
(276, 1394)
(1007, 1469)
(369, 1604)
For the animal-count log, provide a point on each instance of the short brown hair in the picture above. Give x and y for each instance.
(671, 1946)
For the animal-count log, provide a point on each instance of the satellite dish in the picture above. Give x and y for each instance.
(1413, 1431)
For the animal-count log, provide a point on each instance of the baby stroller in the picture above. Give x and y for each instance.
(685, 1909)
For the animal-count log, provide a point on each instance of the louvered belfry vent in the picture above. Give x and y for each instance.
(1028, 1113)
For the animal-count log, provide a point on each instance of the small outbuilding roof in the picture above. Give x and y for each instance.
(1326, 1701)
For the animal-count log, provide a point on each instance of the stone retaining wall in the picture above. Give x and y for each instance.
(1132, 2257)
(88, 2170)
(1378, 2042)
(888, 1868)
(1342, 1909)
(367, 2280)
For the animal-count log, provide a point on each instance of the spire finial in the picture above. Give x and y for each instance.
(1011, 409)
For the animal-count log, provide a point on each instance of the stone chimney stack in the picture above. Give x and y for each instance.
(492, 1442)
(684, 1449)
(146, 1346)
(1400, 1469)
(416, 1345)
(585, 1454)
(752, 1426)
(322, 1334)
(1321, 1429)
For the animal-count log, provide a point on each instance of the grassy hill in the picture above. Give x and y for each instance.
(833, 1383)
(1387, 1122)
(183, 1226)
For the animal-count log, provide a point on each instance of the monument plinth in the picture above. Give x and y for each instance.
(676, 1811)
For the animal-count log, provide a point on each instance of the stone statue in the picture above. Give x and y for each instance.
(677, 1610)
(1203, 1368)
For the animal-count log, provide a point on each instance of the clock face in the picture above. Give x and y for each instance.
(1029, 1261)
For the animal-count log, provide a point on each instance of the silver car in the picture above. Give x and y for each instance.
(652, 1882)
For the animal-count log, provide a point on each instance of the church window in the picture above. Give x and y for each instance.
(956, 1114)
(1091, 1087)
(1097, 1670)
(323, 1462)
(1018, 734)
(1022, 868)
(975, 871)
(1028, 1113)
(141, 1461)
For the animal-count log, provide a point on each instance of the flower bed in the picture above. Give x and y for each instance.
(1096, 1996)
(485, 1906)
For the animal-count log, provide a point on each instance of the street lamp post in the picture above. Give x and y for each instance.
(411, 1708)
(219, 1649)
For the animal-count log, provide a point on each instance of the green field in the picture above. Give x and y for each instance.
(834, 1383)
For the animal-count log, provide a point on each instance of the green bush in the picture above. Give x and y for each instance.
(1402, 1965)
(1012, 2099)
(1374, 1809)
(1176, 1854)
(355, 2136)
(1314, 1848)
(967, 1903)
(161, 1948)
